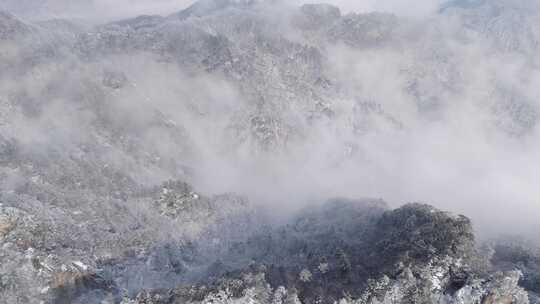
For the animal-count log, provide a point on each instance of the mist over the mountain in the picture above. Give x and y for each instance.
(104, 10)
(125, 121)
(427, 109)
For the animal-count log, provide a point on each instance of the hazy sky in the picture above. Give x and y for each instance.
(91, 9)
(112, 9)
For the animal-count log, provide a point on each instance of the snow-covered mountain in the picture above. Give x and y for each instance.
(103, 130)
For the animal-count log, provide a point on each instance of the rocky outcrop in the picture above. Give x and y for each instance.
(342, 250)
(516, 253)
(336, 254)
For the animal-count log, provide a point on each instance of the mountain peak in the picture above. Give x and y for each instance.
(207, 7)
